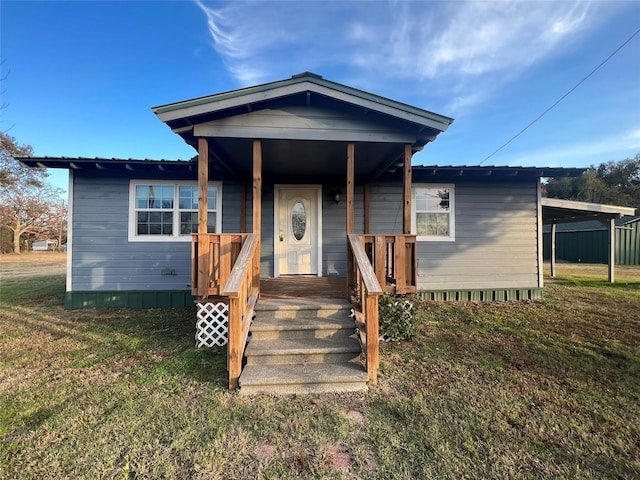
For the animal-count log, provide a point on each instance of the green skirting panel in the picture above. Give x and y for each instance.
(129, 299)
(490, 295)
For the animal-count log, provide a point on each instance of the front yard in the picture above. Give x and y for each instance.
(547, 389)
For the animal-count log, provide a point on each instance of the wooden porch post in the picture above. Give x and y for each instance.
(351, 168)
(553, 250)
(406, 190)
(350, 186)
(257, 203)
(204, 276)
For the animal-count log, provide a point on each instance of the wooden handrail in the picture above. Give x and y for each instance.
(242, 289)
(394, 260)
(369, 289)
(363, 264)
(213, 255)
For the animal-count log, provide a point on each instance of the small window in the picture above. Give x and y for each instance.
(298, 220)
(433, 213)
(168, 211)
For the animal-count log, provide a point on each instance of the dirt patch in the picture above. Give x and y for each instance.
(266, 451)
(32, 264)
(341, 459)
(356, 416)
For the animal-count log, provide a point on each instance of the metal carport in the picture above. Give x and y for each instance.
(555, 211)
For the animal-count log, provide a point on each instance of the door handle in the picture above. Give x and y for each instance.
(281, 238)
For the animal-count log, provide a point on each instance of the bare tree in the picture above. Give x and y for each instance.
(27, 203)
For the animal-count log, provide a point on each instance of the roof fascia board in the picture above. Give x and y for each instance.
(389, 107)
(492, 171)
(102, 163)
(587, 207)
(275, 90)
(224, 101)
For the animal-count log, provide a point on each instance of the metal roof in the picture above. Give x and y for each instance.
(420, 172)
(555, 210)
(592, 225)
(110, 164)
(426, 173)
(201, 105)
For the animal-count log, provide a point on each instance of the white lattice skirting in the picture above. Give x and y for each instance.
(213, 324)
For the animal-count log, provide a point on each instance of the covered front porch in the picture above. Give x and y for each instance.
(305, 152)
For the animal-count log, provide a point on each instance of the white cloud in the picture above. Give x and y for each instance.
(452, 48)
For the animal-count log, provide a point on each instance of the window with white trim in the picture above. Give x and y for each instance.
(168, 211)
(433, 212)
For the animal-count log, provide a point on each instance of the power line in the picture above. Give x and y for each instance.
(562, 97)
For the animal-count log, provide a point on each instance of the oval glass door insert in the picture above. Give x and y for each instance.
(298, 220)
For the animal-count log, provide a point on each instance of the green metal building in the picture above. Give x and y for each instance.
(586, 242)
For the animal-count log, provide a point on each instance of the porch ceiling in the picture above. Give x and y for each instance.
(288, 160)
(305, 124)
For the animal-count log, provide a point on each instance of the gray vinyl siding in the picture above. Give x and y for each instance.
(334, 227)
(102, 256)
(385, 208)
(495, 244)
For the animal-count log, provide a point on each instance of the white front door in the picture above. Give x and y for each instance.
(297, 230)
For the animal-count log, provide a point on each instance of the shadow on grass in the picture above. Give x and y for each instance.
(152, 343)
(595, 283)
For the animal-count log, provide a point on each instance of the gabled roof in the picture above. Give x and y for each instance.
(304, 123)
(309, 87)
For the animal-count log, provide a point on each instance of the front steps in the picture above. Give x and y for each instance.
(304, 345)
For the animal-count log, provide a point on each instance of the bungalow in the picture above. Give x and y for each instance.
(302, 179)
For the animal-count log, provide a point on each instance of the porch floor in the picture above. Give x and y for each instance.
(297, 286)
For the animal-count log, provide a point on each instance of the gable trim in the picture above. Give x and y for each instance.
(299, 84)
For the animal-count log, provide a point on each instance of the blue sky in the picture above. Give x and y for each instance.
(80, 78)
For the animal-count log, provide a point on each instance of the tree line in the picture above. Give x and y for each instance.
(30, 208)
(613, 183)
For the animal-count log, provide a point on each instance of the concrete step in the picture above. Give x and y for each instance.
(305, 378)
(303, 345)
(303, 308)
(290, 328)
(302, 350)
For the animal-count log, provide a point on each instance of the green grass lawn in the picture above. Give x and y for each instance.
(547, 389)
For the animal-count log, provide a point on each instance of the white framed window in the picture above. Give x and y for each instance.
(433, 212)
(162, 211)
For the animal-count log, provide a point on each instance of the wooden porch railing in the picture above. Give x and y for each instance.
(242, 289)
(393, 258)
(228, 266)
(363, 280)
(213, 256)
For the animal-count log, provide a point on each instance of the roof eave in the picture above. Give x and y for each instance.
(297, 84)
